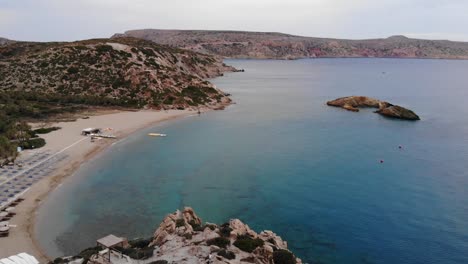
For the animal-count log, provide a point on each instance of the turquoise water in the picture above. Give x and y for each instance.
(281, 159)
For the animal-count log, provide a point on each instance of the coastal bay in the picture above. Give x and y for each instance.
(281, 159)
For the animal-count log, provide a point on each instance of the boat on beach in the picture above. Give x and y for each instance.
(156, 135)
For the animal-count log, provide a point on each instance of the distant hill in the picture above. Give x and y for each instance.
(238, 44)
(4, 41)
(126, 72)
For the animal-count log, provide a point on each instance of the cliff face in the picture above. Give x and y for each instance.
(237, 44)
(123, 71)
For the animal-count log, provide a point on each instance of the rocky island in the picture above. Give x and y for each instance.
(352, 103)
(182, 237)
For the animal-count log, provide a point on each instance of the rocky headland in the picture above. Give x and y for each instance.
(272, 45)
(127, 72)
(353, 103)
(182, 237)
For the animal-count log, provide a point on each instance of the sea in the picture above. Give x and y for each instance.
(280, 159)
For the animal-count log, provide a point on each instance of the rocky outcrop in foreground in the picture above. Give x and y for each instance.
(352, 103)
(271, 45)
(183, 238)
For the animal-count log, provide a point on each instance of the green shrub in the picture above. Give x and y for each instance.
(180, 222)
(104, 48)
(46, 130)
(159, 262)
(73, 70)
(248, 244)
(140, 243)
(195, 226)
(211, 226)
(137, 253)
(221, 242)
(33, 143)
(283, 257)
(87, 253)
(227, 254)
(58, 261)
(225, 230)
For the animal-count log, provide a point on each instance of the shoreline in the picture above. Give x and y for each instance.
(25, 219)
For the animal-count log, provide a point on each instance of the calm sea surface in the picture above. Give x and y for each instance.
(281, 159)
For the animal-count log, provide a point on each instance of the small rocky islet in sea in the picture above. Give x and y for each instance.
(183, 238)
(353, 103)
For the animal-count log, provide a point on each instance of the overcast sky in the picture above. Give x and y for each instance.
(45, 20)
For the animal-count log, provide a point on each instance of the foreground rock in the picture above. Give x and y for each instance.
(353, 103)
(182, 237)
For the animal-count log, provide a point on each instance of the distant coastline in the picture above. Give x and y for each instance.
(273, 45)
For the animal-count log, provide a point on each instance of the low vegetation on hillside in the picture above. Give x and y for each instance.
(39, 80)
(123, 72)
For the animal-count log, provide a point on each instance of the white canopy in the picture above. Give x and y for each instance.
(110, 241)
(21, 258)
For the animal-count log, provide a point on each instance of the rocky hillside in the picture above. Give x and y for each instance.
(4, 41)
(236, 44)
(123, 72)
(182, 237)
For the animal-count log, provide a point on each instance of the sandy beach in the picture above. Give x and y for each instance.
(77, 150)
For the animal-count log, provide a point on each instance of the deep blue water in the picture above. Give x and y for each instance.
(281, 159)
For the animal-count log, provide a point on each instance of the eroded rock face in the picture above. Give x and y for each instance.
(398, 112)
(182, 238)
(353, 103)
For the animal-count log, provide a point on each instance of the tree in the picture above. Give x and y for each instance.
(22, 132)
(7, 151)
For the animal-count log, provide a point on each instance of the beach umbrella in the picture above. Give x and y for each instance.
(10, 209)
(3, 214)
(4, 228)
(4, 223)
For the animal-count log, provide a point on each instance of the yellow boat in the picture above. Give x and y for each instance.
(156, 135)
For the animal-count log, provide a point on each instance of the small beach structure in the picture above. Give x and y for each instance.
(110, 243)
(22, 258)
(90, 131)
